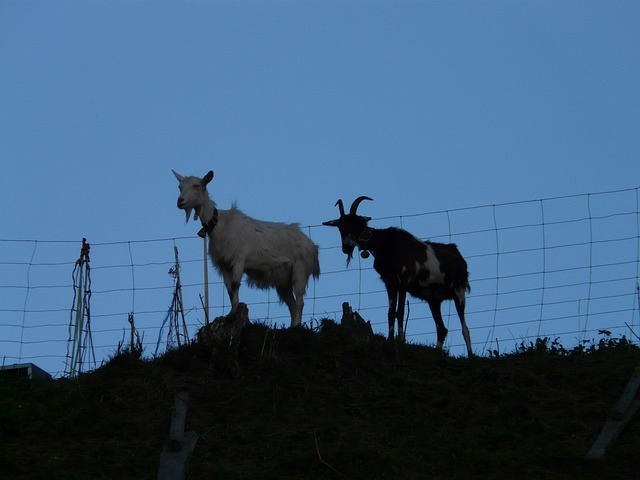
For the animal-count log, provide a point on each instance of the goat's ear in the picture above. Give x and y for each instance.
(330, 223)
(178, 176)
(207, 178)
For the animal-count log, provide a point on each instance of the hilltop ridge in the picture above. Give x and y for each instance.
(327, 404)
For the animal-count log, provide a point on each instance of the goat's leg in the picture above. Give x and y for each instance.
(393, 299)
(300, 280)
(233, 288)
(232, 279)
(227, 277)
(402, 297)
(460, 302)
(286, 295)
(434, 306)
(296, 320)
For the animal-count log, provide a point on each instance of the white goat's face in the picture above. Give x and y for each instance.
(193, 193)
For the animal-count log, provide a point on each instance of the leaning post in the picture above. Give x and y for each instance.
(180, 444)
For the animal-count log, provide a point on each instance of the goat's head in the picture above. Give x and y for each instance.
(351, 226)
(193, 193)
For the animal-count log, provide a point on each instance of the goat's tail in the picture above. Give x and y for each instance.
(462, 283)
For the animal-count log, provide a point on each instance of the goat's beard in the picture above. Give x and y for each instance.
(188, 211)
(349, 252)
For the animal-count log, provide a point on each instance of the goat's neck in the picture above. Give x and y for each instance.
(366, 239)
(208, 215)
(206, 211)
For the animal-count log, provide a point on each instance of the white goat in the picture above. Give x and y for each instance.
(272, 254)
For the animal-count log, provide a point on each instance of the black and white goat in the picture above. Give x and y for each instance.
(426, 270)
(272, 255)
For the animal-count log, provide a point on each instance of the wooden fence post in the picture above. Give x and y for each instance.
(625, 409)
(179, 447)
(206, 283)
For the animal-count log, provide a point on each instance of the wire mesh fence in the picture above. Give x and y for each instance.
(563, 267)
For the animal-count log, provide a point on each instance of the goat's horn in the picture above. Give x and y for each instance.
(356, 203)
(340, 206)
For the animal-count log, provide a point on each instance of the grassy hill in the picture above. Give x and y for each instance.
(299, 404)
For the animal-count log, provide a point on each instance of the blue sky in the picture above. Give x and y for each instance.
(424, 106)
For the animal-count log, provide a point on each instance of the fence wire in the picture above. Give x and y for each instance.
(563, 267)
